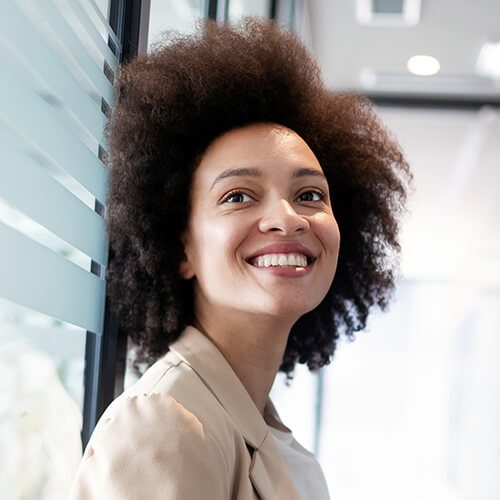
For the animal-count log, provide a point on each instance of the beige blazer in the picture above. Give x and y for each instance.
(187, 429)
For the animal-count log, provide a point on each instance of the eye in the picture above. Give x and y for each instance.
(236, 196)
(320, 195)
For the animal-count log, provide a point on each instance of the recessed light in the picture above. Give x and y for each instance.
(423, 65)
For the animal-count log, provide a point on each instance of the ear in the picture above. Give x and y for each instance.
(185, 267)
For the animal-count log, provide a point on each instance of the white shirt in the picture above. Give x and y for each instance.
(304, 468)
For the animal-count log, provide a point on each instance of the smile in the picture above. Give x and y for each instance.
(280, 260)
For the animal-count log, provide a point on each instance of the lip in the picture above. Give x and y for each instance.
(286, 272)
(284, 248)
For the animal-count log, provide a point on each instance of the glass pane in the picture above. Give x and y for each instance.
(41, 401)
(239, 8)
(285, 13)
(178, 15)
(103, 7)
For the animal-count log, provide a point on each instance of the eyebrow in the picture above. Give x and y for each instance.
(255, 172)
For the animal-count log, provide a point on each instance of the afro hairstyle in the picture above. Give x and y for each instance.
(171, 103)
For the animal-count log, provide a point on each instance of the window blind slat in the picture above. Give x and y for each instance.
(97, 11)
(94, 34)
(38, 278)
(50, 204)
(35, 120)
(44, 61)
(75, 49)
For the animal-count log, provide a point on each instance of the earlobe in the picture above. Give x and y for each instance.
(185, 269)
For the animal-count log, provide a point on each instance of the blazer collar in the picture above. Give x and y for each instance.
(268, 472)
(196, 349)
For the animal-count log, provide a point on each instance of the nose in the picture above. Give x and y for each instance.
(283, 217)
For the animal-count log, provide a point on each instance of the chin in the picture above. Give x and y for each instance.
(288, 310)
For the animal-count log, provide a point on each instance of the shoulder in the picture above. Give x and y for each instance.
(192, 396)
(145, 442)
(168, 429)
(174, 404)
(152, 423)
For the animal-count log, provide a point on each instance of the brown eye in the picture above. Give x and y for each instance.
(311, 194)
(236, 197)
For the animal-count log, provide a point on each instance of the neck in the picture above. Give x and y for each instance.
(254, 348)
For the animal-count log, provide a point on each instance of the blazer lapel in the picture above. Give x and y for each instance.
(268, 471)
(269, 474)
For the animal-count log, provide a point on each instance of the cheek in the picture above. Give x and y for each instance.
(329, 234)
(219, 242)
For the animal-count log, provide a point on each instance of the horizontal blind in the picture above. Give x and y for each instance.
(56, 72)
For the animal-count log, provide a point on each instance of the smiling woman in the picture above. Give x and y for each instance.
(253, 217)
(239, 298)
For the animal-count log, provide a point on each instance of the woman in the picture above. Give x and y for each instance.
(233, 173)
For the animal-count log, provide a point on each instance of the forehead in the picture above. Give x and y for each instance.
(262, 144)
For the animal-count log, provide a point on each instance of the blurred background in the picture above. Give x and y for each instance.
(410, 409)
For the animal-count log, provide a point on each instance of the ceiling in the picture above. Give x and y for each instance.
(453, 31)
(452, 232)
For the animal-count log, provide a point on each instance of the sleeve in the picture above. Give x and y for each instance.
(151, 447)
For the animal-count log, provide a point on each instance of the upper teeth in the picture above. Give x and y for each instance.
(280, 259)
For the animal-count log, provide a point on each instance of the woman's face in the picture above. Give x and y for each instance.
(259, 186)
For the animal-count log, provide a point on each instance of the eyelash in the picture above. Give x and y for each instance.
(320, 193)
(233, 193)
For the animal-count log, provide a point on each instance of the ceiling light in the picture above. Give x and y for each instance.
(488, 62)
(423, 65)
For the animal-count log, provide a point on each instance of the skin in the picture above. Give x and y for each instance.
(247, 312)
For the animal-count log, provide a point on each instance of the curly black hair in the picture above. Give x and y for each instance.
(170, 105)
